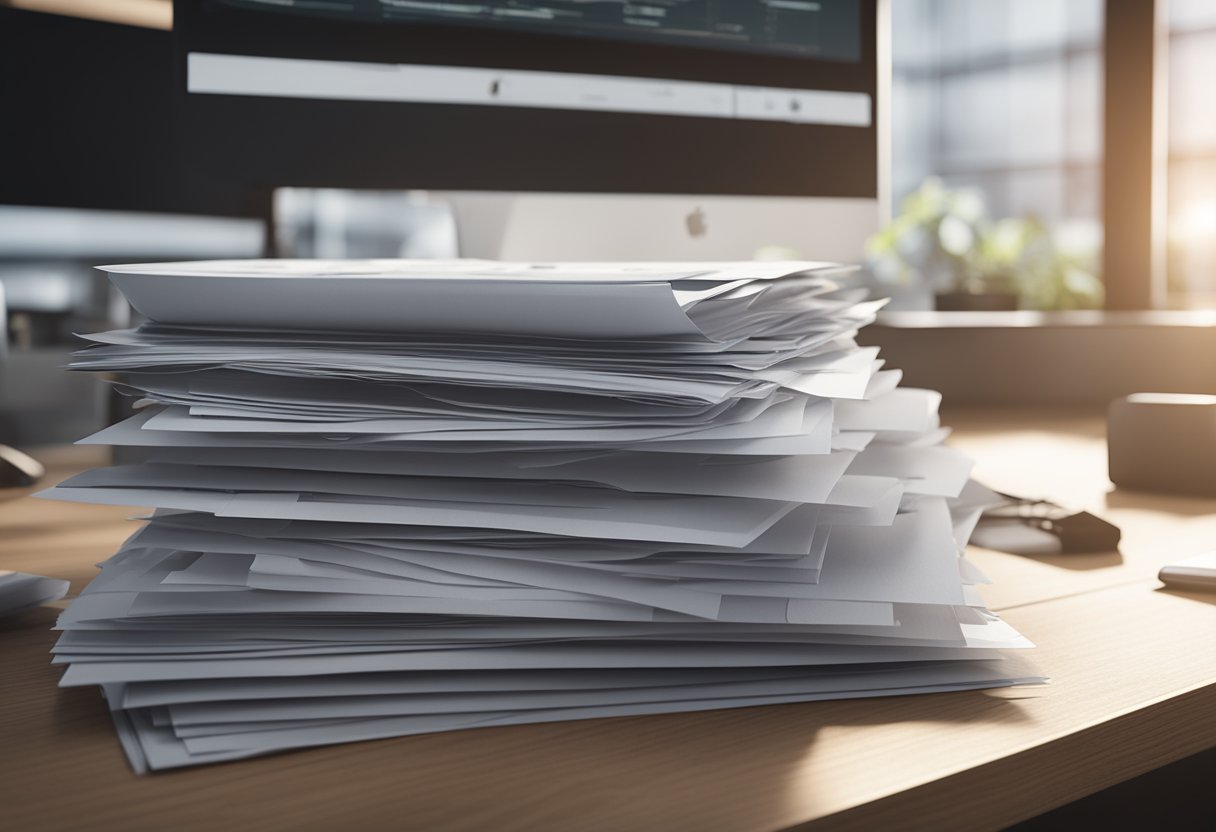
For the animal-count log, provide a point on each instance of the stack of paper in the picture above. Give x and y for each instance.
(401, 497)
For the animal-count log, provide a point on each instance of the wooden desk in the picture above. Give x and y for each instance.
(1134, 669)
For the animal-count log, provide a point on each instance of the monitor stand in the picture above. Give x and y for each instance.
(555, 226)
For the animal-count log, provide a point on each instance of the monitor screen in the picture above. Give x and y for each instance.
(800, 28)
(747, 97)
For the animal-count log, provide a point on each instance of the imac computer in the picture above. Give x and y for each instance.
(556, 129)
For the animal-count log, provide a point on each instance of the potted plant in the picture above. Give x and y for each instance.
(1047, 273)
(944, 239)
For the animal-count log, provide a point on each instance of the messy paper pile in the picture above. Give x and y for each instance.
(401, 497)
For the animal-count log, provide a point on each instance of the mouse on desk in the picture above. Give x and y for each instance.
(17, 469)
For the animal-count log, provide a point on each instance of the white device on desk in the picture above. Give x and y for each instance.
(1197, 573)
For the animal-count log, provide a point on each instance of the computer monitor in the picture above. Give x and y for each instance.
(557, 128)
(89, 111)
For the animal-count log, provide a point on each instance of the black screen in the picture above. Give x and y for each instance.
(829, 29)
(267, 140)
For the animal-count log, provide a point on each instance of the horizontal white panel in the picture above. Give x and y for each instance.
(65, 233)
(803, 106)
(420, 84)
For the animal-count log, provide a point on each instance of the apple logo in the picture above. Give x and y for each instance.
(695, 222)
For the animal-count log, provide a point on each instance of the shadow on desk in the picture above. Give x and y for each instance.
(36, 618)
(1204, 597)
(1078, 562)
(1176, 797)
(1089, 560)
(1179, 504)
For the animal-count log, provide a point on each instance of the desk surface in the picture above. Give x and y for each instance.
(1134, 688)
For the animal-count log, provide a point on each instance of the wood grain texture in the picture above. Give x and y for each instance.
(1134, 687)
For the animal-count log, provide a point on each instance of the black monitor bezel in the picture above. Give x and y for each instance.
(323, 143)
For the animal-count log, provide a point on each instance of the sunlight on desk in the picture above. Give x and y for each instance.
(1063, 458)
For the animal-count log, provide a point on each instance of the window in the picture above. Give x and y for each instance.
(1003, 96)
(1192, 155)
